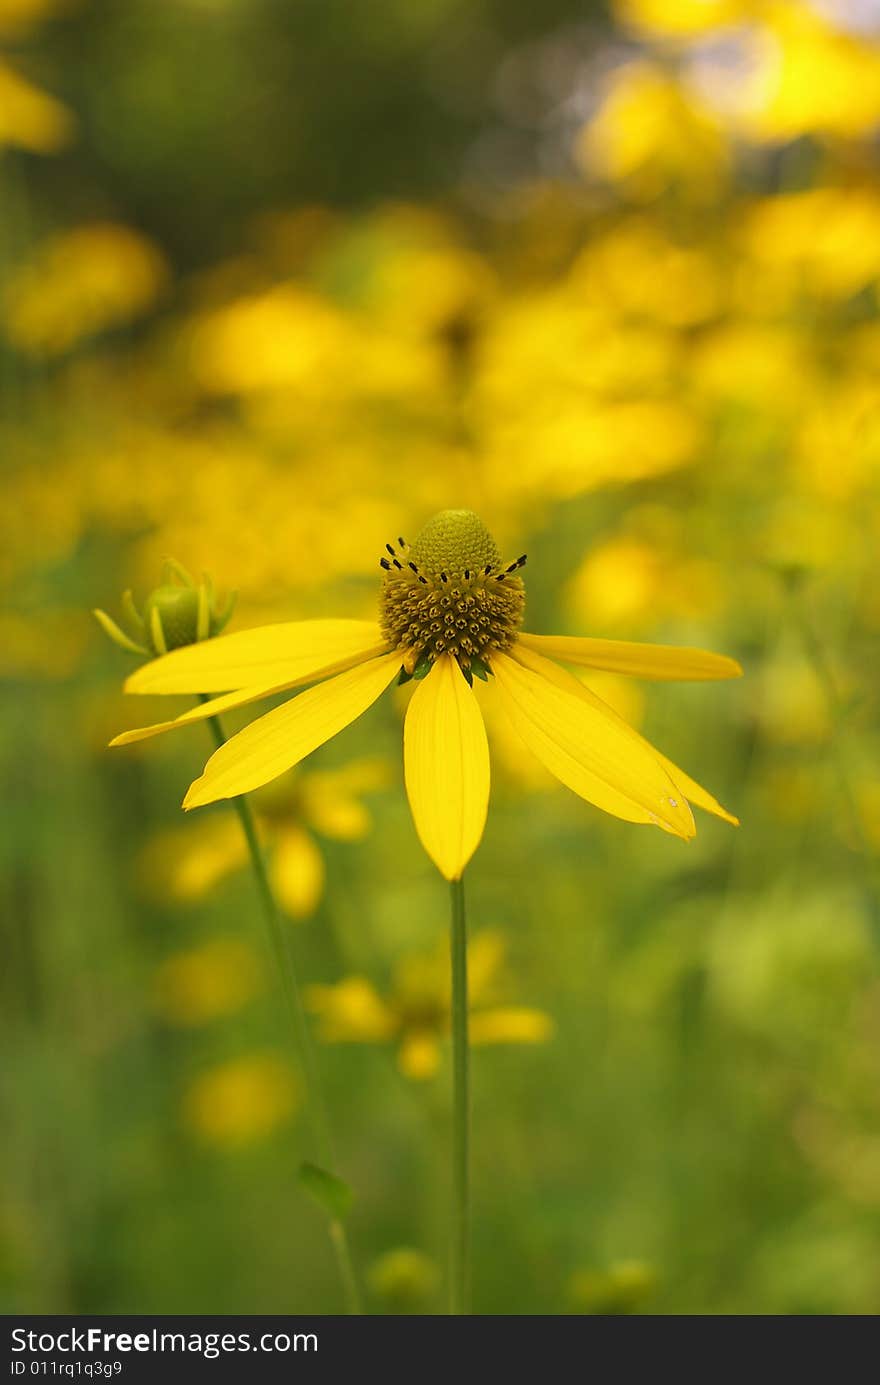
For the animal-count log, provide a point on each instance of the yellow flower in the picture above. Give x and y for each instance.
(241, 1101)
(621, 1289)
(678, 18)
(29, 118)
(81, 282)
(650, 133)
(205, 982)
(187, 865)
(450, 609)
(415, 1013)
(811, 78)
(403, 1280)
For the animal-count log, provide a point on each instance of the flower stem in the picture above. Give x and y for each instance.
(842, 761)
(300, 1025)
(459, 1294)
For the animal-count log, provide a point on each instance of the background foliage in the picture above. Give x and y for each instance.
(278, 281)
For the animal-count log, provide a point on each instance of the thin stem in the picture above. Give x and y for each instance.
(299, 1022)
(459, 1295)
(841, 759)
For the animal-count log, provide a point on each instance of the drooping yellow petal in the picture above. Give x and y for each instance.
(225, 703)
(688, 787)
(228, 701)
(512, 1024)
(694, 792)
(267, 656)
(446, 764)
(659, 662)
(586, 747)
(280, 739)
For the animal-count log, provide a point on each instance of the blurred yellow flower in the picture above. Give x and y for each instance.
(206, 982)
(415, 1013)
(810, 78)
(289, 338)
(621, 1289)
(403, 1280)
(450, 609)
(187, 863)
(825, 241)
(628, 579)
(242, 1101)
(16, 16)
(29, 118)
(790, 705)
(650, 133)
(81, 282)
(430, 290)
(638, 270)
(766, 367)
(679, 18)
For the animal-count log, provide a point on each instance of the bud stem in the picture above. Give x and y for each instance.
(296, 1009)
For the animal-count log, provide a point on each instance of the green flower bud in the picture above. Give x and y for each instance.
(177, 613)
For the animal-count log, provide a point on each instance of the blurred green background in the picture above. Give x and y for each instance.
(279, 280)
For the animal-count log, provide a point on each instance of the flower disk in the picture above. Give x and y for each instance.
(450, 594)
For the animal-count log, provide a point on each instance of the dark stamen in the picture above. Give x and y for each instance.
(414, 568)
(443, 577)
(423, 579)
(389, 549)
(383, 562)
(401, 542)
(398, 565)
(487, 569)
(467, 574)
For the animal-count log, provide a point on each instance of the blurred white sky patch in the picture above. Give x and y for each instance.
(858, 16)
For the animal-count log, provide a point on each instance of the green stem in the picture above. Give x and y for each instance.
(459, 1294)
(299, 1022)
(841, 761)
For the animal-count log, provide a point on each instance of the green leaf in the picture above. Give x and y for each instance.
(327, 1190)
(403, 677)
(479, 668)
(423, 667)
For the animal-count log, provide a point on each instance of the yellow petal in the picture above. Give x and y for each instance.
(694, 792)
(212, 708)
(280, 739)
(297, 871)
(270, 655)
(419, 1056)
(689, 788)
(446, 763)
(510, 1025)
(352, 1011)
(660, 662)
(585, 746)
